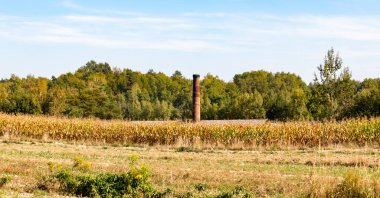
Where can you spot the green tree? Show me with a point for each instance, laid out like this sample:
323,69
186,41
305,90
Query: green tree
284,94
213,97
162,110
4,98
367,100
93,67
133,110
333,91
249,106
23,103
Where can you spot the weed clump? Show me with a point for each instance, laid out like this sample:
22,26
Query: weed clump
78,180
238,191
188,149
81,164
200,187
355,185
4,180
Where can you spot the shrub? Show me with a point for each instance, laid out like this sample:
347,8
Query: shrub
105,185
5,180
80,181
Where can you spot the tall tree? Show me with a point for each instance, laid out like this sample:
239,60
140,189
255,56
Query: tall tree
333,89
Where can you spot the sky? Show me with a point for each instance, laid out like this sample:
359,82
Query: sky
221,37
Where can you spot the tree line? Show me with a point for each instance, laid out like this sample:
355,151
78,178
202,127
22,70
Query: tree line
97,90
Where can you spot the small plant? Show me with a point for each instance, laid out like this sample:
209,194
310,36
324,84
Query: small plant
184,195
200,187
187,149
81,164
46,183
54,166
238,191
4,180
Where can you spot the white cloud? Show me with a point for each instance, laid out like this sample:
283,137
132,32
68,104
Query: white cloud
189,31
92,19
70,4
132,20
99,35
340,27
203,14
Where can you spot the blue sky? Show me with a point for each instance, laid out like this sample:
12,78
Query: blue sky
222,37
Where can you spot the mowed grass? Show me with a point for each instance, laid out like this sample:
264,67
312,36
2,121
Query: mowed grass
265,172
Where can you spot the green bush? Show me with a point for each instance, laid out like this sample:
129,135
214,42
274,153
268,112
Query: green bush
80,181
105,185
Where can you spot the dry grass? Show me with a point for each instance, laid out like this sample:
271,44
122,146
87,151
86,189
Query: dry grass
286,173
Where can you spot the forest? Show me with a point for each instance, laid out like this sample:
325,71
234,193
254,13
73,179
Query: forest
98,90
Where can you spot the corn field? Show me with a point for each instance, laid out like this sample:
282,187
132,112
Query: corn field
358,132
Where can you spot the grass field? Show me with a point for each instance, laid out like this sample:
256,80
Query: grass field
295,159
287,173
